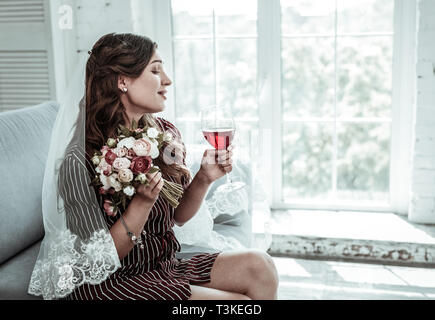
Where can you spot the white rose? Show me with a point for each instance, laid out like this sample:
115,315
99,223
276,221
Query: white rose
167,137
154,153
142,178
121,163
95,160
105,181
113,181
127,142
111,142
152,133
125,175
120,152
129,190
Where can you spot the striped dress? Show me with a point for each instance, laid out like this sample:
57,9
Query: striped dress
151,273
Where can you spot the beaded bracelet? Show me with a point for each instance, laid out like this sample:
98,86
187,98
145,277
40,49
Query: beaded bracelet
132,236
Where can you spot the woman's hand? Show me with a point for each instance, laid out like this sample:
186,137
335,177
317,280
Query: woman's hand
215,164
149,193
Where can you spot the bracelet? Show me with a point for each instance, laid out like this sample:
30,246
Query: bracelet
131,235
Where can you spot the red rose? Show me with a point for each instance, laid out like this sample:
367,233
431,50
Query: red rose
141,164
110,157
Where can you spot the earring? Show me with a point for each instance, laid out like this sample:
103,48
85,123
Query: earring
124,89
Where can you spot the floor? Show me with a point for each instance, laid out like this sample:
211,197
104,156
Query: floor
302,279
311,278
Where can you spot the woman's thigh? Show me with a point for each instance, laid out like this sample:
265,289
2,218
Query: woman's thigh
232,270
204,293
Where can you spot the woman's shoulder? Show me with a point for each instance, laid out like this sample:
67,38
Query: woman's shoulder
166,125
74,159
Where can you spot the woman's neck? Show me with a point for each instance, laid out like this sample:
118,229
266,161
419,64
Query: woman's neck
128,120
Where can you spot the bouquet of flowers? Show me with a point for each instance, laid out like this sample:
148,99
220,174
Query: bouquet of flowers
123,162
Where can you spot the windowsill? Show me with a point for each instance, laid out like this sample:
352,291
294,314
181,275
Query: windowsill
355,236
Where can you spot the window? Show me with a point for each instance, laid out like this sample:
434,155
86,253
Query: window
215,48
319,76
336,100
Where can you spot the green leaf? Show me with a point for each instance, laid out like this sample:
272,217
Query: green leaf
153,170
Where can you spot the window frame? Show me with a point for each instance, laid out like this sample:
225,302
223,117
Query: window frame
269,97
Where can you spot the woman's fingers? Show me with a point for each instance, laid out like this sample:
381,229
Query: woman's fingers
223,156
158,187
153,179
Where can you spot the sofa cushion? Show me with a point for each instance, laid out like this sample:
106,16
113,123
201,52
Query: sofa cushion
15,275
24,141
241,172
243,235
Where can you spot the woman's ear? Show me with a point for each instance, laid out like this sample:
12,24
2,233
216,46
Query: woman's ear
123,82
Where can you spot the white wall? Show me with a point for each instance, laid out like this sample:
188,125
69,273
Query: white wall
98,17
422,206
64,43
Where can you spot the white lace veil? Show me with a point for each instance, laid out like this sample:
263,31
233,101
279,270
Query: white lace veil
77,247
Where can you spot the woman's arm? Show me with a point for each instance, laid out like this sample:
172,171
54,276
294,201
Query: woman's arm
136,215
192,198
214,164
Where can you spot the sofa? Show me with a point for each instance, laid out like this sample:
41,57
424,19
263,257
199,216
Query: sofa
24,141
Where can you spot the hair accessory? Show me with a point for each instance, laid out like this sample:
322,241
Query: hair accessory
90,52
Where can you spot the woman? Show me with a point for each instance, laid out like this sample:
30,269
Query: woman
125,81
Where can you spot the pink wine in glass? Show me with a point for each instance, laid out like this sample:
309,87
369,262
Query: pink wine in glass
219,138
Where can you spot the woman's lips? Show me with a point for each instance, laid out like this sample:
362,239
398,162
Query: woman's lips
162,93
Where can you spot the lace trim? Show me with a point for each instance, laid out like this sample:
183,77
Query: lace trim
228,202
70,263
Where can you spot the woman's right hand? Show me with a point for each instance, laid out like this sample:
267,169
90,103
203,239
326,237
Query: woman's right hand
149,193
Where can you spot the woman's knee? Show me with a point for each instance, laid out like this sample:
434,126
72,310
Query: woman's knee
262,268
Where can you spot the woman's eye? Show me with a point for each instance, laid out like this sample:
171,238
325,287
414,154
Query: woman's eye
155,71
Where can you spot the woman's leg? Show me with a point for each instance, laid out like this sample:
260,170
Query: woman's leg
204,293
249,272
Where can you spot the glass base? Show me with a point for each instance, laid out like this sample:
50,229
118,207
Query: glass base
230,187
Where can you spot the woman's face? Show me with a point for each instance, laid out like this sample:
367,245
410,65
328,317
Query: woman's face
147,93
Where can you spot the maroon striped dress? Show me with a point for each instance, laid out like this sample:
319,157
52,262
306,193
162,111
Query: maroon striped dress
151,273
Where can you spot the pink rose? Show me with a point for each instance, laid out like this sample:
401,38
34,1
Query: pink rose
141,164
110,156
121,163
142,147
104,150
108,208
121,152
102,190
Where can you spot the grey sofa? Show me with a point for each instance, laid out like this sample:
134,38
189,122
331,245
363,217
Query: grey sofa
24,142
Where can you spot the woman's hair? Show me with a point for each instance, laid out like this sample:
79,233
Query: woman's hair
113,55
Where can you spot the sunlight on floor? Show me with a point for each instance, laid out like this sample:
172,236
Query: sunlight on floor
330,280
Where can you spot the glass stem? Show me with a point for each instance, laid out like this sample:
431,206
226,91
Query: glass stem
229,177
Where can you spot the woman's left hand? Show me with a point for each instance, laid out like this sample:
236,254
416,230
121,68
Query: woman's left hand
215,164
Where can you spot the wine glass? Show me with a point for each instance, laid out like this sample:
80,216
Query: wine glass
218,127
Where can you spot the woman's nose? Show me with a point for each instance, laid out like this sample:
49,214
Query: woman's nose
166,80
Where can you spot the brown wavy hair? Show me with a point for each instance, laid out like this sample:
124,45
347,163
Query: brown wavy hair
113,55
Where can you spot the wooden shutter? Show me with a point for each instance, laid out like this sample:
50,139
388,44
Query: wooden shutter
25,54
